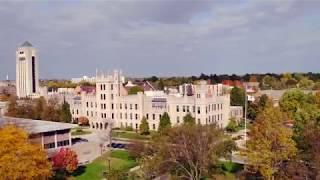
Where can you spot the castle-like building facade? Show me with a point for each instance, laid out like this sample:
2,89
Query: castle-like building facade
109,103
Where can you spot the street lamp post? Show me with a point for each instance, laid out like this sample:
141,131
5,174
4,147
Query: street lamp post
245,115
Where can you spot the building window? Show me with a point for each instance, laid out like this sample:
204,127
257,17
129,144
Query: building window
111,87
159,116
178,119
193,108
77,111
120,106
183,108
101,87
112,116
188,109
136,106
87,113
49,145
91,104
63,143
147,116
112,106
136,116
198,121
153,126
153,116
198,110
33,75
177,108
136,126
130,115
130,106
112,96
87,104
125,106
125,116
120,115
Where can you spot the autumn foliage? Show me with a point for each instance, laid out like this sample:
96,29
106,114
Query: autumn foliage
19,159
65,160
83,121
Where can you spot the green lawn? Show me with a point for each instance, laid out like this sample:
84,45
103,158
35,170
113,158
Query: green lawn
120,160
79,131
130,135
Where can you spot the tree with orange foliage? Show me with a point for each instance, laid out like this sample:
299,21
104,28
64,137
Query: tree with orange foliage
65,160
83,121
19,159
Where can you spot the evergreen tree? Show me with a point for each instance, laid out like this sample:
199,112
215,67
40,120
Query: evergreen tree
39,107
144,127
65,114
188,119
164,122
237,97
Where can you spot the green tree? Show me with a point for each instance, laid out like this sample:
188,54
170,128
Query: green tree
305,83
188,119
161,84
39,107
232,125
237,97
144,127
65,114
164,122
270,143
135,90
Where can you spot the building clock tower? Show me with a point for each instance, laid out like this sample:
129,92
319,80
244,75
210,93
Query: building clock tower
27,74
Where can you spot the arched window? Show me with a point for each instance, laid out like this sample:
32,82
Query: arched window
100,125
92,125
106,126
97,126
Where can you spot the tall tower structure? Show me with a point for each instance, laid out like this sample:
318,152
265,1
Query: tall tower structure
27,74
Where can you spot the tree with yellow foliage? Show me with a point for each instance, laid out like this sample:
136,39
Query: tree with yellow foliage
19,159
270,143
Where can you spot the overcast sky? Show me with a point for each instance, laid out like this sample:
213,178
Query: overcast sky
168,37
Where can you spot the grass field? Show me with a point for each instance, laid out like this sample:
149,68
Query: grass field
79,131
119,160
130,135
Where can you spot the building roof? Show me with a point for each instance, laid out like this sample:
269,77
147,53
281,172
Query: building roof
26,44
35,126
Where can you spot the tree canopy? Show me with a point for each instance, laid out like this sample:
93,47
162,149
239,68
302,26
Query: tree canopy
237,97
188,119
188,152
144,127
270,142
19,159
164,123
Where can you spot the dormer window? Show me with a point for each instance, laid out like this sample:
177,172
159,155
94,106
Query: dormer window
21,52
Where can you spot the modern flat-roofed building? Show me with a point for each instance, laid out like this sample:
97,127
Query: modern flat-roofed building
110,102
50,135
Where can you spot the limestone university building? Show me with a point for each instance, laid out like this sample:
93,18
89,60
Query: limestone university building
27,74
109,102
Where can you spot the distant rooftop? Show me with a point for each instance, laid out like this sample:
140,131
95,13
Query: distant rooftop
26,44
35,126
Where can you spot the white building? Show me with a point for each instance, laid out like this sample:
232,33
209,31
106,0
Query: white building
27,71
83,79
110,102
